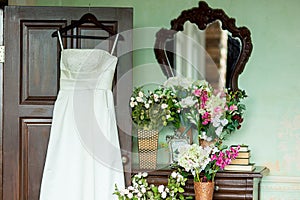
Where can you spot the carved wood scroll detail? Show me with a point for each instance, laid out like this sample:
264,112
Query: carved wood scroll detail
202,16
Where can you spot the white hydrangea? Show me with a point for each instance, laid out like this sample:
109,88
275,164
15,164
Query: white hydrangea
156,97
130,188
164,106
132,104
177,81
143,190
174,174
161,188
139,99
193,157
145,174
141,94
219,124
139,194
124,192
130,195
189,101
163,195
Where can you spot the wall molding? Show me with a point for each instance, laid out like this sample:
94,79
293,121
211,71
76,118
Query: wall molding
275,184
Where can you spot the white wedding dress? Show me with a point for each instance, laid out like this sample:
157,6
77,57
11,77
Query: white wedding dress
83,159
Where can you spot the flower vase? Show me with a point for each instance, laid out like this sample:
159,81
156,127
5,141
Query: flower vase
205,143
147,147
186,131
204,190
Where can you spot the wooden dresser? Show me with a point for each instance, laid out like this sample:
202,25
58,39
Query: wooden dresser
228,185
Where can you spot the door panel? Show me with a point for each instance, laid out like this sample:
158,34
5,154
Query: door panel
34,140
31,83
36,62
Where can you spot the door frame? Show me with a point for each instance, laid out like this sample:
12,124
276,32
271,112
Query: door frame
1,103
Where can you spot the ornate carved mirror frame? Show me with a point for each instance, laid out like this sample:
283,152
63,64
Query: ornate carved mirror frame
202,16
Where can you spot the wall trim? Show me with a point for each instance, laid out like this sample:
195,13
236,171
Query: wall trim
280,183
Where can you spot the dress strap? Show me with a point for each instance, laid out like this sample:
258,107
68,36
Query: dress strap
115,43
60,40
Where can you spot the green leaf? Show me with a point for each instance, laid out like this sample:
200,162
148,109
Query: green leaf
181,190
242,106
154,189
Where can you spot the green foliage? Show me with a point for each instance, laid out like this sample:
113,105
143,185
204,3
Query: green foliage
152,110
142,191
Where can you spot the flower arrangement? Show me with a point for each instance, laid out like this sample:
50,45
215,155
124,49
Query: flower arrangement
214,113
210,159
151,110
141,190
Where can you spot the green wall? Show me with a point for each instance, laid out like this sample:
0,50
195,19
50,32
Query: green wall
271,126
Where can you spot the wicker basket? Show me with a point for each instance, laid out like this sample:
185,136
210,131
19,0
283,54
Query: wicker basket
147,144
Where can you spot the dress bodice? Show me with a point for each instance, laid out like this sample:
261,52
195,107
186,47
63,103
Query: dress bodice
87,69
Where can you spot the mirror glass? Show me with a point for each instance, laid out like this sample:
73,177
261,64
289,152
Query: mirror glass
208,54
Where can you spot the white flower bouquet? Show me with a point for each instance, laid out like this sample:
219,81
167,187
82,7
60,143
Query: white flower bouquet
152,110
141,190
209,160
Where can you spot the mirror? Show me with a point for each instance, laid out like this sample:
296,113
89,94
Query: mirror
204,43
203,54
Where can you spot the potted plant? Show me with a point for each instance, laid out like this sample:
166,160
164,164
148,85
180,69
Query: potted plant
151,111
207,160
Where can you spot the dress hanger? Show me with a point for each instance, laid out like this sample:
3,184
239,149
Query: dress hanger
86,18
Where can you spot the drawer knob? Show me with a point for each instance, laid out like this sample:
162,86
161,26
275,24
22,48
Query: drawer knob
217,188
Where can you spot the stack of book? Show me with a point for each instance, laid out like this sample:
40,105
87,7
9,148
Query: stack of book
242,162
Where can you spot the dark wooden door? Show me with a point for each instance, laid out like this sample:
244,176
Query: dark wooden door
31,83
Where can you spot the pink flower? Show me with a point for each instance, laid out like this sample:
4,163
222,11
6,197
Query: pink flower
203,98
205,122
218,109
203,104
197,92
224,158
234,152
233,108
214,157
206,118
